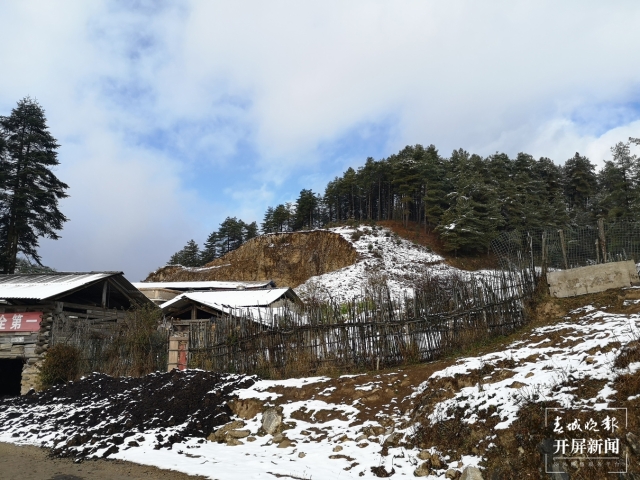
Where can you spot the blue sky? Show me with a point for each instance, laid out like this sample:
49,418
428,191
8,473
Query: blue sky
173,115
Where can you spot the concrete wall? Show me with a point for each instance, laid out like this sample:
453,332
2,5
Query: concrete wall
592,279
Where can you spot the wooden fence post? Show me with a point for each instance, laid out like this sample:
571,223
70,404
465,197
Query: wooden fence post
603,239
564,249
544,254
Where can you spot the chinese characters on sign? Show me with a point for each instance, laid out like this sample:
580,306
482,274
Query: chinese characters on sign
20,322
594,438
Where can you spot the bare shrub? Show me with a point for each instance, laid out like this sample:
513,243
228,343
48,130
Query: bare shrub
138,346
61,364
356,235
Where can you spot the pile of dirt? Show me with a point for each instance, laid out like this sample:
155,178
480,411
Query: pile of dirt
289,259
100,414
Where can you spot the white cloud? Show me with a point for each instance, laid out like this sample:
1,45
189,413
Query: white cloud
145,96
455,73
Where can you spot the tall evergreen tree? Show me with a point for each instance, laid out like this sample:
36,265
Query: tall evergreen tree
305,209
268,223
474,217
189,256
210,249
580,185
250,231
230,234
434,177
553,207
29,190
619,184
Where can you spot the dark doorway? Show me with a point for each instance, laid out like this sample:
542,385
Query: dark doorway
10,376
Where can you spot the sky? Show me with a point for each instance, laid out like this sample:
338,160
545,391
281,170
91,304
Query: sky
173,115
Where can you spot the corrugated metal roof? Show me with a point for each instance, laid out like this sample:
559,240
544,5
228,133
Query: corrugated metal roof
207,285
44,286
233,298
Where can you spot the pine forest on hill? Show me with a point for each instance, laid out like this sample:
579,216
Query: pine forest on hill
465,199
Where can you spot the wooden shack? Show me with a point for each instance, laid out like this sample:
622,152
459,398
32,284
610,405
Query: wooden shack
210,305
193,314
30,305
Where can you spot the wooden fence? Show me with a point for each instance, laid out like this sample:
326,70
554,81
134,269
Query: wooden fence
443,314
117,343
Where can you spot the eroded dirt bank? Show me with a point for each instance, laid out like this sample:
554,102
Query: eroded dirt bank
287,258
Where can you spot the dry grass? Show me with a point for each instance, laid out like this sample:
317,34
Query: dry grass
519,451
630,353
417,235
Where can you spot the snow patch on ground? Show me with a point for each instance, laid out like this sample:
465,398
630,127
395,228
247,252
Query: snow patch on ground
540,370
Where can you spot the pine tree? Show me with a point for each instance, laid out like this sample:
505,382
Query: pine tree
618,184
407,178
268,223
230,234
553,207
189,256
305,209
29,190
580,186
474,217
434,176
282,218
250,231
210,249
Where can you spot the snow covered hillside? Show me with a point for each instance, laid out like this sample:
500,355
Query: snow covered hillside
399,422
383,258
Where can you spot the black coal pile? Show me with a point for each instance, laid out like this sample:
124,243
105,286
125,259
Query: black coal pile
100,414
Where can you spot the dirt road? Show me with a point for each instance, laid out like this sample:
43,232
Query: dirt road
33,463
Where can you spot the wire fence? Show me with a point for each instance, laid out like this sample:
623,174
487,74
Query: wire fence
445,313
569,247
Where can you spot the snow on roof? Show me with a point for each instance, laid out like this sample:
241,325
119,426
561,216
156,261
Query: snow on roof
234,298
209,285
44,286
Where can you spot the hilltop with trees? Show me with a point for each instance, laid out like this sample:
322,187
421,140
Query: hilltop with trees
465,199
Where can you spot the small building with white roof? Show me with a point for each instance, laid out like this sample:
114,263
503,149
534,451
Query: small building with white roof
161,292
209,305
194,315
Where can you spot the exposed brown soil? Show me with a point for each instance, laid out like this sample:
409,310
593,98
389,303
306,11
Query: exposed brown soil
376,400
34,463
289,259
